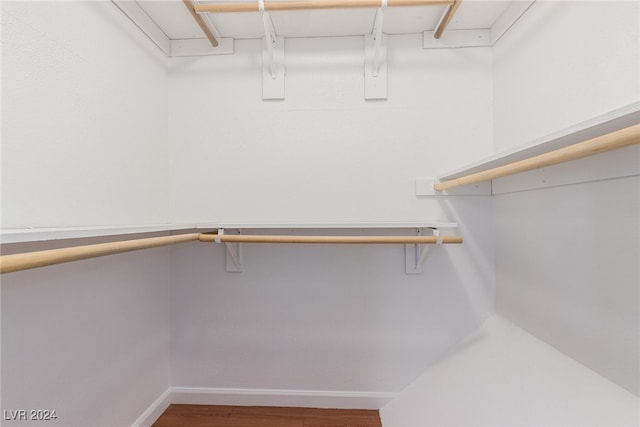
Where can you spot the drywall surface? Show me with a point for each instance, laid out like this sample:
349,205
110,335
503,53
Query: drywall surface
84,113
562,63
330,323
324,154
567,256
567,271
88,339
324,324
501,375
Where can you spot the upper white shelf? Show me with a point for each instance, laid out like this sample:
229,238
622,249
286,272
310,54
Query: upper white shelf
22,235
597,126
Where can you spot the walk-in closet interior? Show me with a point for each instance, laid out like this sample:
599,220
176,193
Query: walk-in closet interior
429,208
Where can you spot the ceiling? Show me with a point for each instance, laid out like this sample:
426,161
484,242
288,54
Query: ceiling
173,18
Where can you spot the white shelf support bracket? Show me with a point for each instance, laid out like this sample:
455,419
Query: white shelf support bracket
272,59
233,259
375,67
269,37
377,35
416,255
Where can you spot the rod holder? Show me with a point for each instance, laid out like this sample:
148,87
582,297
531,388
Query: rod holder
417,254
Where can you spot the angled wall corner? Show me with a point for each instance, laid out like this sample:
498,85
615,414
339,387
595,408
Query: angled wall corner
502,375
578,293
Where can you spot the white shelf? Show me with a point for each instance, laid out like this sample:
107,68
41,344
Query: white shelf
19,235
335,225
597,126
23,235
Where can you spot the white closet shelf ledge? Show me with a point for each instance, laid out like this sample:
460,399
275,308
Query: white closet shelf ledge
330,225
39,234
407,240
275,6
24,235
612,121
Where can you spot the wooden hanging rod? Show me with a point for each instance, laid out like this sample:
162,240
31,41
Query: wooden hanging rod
28,260
273,6
446,18
241,238
203,25
611,141
25,261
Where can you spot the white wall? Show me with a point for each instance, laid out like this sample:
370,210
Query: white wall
562,63
566,257
89,339
503,376
578,290
95,153
324,318
323,154
84,112
303,319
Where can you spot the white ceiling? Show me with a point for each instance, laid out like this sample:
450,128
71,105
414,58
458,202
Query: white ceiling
177,23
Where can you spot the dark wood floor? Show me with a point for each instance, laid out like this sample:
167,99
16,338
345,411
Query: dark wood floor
258,416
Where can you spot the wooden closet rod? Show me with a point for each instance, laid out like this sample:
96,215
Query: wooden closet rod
271,6
203,25
242,238
446,18
611,141
28,260
25,261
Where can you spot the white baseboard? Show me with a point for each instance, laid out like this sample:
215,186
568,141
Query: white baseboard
262,397
154,410
267,397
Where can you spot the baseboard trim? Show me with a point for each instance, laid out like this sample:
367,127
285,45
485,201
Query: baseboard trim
262,397
268,397
153,412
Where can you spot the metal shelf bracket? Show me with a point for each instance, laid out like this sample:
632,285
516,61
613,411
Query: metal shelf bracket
416,255
272,59
233,258
375,72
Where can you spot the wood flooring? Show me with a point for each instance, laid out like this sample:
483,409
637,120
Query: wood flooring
260,416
